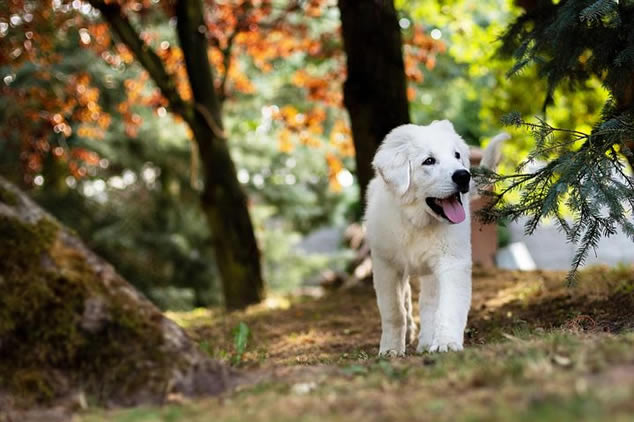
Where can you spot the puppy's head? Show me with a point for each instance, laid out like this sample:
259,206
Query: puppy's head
427,165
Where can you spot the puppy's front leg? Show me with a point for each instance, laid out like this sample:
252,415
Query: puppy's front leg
390,296
428,303
454,301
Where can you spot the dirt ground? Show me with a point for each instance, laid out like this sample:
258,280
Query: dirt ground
535,350
345,324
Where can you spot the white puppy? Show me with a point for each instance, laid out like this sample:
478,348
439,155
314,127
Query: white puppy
418,226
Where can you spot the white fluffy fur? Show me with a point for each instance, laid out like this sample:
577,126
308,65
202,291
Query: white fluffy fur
409,241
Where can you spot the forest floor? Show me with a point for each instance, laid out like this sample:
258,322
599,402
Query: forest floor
535,350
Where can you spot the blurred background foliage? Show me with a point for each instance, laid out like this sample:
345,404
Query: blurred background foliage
124,176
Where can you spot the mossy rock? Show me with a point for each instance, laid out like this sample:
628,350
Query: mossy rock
69,323
7,196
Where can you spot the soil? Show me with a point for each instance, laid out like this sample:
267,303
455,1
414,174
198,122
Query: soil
535,350
345,324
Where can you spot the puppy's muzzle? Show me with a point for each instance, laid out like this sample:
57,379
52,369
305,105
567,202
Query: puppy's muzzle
462,178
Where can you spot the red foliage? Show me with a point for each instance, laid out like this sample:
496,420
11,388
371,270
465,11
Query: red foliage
67,105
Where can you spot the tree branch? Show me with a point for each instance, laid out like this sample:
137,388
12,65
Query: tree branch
241,26
192,36
151,62
226,62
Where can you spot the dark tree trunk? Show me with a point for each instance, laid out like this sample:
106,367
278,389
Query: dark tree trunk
625,102
375,92
223,201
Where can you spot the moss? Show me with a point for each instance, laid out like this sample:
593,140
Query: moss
45,286
21,241
8,197
24,294
21,247
33,380
129,343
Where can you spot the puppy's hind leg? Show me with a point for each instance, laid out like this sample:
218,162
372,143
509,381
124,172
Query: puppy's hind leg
410,334
390,296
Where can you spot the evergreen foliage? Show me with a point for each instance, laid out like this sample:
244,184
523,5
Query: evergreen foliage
571,42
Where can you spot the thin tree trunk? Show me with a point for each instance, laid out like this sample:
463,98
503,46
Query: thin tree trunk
223,201
375,92
625,101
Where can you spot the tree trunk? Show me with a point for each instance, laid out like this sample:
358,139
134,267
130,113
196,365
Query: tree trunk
375,91
223,201
69,323
624,103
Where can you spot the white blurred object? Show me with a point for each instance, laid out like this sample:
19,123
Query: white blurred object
515,256
551,250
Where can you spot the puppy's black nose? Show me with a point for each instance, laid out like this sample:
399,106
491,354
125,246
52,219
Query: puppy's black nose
462,178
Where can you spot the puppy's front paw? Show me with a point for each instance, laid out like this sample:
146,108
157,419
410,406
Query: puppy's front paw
446,338
445,347
425,339
391,353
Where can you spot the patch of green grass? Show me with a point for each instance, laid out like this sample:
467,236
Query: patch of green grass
556,408
355,370
526,359
205,347
355,355
265,387
392,370
240,341
559,376
241,335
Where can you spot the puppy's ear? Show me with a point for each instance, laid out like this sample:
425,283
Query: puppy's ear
392,161
443,124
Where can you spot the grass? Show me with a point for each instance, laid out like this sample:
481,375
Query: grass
560,376
536,350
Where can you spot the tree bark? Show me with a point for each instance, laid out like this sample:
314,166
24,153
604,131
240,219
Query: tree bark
223,200
375,91
70,324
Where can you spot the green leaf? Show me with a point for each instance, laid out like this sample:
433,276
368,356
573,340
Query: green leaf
355,370
240,340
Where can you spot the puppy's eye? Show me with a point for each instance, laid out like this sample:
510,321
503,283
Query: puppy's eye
429,161
458,155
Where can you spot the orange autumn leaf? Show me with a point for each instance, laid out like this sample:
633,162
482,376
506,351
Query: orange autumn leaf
310,141
284,141
411,93
334,167
341,138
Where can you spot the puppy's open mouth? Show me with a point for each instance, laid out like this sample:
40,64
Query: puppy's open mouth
449,208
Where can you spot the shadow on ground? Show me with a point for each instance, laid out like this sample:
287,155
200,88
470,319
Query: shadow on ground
345,324
536,350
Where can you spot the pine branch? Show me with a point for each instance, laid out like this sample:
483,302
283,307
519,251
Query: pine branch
589,179
589,241
597,11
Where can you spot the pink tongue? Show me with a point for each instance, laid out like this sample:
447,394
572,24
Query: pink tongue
453,209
